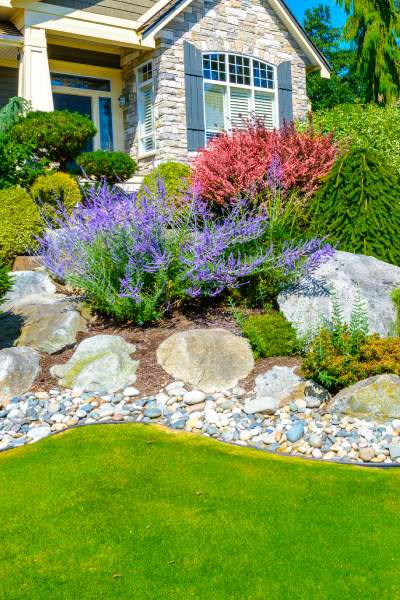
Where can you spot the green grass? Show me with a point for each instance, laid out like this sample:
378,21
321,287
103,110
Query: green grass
75,509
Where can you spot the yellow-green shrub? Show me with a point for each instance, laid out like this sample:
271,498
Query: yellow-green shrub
20,220
47,190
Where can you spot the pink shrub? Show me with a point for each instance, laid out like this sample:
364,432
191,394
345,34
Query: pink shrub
236,162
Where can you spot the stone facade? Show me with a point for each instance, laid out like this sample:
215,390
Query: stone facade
247,27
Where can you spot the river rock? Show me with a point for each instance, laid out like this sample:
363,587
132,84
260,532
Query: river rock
266,406
315,441
366,454
99,363
295,432
45,323
278,383
19,369
377,397
30,282
209,359
303,302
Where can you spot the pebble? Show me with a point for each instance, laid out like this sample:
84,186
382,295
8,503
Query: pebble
131,391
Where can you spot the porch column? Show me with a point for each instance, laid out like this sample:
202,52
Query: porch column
34,83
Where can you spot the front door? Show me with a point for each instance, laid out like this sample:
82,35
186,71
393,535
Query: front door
79,104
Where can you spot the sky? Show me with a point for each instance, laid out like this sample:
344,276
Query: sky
299,6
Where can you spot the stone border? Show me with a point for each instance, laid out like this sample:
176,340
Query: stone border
299,455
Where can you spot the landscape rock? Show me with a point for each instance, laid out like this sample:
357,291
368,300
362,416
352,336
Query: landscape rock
366,454
315,441
30,282
99,363
303,302
295,432
19,369
377,397
278,383
265,405
194,397
209,359
45,323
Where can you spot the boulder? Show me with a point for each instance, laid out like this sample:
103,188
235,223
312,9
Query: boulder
48,323
19,369
377,397
278,383
266,406
99,363
30,282
209,359
303,302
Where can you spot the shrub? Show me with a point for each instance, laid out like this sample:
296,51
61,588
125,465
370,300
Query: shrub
18,164
20,221
174,175
359,206
6,281
269,335
114,166
235,163
59,136
50,189
15,109
372,126
134,254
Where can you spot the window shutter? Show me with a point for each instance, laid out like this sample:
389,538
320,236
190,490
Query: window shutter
239,105
285,100
147,111
194,94
264,108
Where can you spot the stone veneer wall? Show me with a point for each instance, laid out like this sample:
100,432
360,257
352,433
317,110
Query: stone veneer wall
244,26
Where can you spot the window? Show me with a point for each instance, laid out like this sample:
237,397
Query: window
235,85
105,118
147,137
82,83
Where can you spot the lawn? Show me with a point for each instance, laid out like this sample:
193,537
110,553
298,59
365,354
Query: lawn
80,507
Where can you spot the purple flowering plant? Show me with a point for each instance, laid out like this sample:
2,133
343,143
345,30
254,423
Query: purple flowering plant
136,254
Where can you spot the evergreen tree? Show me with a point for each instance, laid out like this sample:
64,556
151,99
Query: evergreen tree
358,206
374,26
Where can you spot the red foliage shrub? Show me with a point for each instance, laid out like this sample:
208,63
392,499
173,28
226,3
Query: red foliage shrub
236,162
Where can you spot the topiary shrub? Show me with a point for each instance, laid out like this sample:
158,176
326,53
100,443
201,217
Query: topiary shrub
114,166
20,221
174,175
269,335
51,188
6,281
58,136
359,206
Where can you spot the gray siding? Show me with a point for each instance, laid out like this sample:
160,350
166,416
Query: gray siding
83,57
126,9
8,84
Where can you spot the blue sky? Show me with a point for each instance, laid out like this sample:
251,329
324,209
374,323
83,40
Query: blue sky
299,6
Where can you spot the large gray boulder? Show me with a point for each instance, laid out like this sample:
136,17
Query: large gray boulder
376,398
284,386
48,323
19,369
30,282
210,359
303,302
99,363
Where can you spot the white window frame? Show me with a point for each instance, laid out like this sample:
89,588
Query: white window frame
139,86
228,85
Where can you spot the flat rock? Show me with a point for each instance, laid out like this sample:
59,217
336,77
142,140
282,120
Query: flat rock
48,323
265,406
303,302
99,363
209,359
377,397
19,369
30,282
278,383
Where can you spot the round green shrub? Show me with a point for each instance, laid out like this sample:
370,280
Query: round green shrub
51,188
269,335
20,221
174,175
6,281
358,206
114,166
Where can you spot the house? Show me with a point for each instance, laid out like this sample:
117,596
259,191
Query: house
158,78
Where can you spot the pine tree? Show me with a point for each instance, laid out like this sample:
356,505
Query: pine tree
374,26
358,206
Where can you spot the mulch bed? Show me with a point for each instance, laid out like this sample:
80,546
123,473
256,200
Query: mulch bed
150,376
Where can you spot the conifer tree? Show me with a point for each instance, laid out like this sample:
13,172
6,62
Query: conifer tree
374,26
358,206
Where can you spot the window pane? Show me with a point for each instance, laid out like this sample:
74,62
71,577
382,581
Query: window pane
239,105
239,69
214,97
105,118
145,73
83,83
214,67
264,108
263,75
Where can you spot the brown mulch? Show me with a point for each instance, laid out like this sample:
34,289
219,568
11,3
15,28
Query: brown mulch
150,376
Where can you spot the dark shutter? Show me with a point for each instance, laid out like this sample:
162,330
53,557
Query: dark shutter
285,99
194,93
